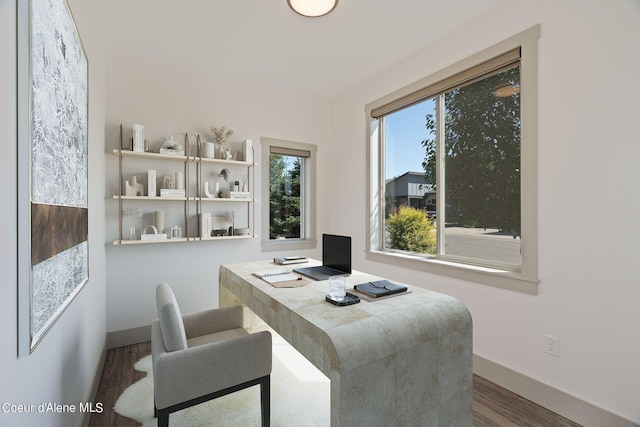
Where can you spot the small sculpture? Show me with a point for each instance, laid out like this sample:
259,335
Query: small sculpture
135,189
215,193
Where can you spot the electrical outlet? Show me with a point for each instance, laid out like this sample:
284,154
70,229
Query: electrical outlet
552,345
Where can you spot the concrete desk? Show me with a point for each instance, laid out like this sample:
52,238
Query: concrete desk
400,361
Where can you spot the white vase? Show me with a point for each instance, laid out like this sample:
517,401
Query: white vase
208,150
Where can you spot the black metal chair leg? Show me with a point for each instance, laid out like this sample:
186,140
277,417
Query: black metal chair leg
265,400
163,418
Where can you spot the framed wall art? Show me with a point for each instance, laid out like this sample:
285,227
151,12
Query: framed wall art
53,259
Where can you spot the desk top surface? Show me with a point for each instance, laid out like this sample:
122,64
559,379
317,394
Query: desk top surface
378,327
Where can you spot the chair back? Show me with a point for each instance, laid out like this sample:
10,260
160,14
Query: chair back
171,325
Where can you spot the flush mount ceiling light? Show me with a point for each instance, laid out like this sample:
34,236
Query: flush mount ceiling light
312,8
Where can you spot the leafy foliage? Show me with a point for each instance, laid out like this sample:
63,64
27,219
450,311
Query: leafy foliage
284,197
410,229
482,154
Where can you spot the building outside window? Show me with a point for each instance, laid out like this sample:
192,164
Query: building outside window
455,169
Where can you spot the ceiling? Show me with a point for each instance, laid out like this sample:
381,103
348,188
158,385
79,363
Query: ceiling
266,42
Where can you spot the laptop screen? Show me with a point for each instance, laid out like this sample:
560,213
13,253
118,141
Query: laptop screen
336,252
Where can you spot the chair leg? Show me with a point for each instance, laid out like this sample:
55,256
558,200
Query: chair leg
265,400
163,418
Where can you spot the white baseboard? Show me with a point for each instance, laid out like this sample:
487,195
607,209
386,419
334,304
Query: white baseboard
571,407
128,336
95,382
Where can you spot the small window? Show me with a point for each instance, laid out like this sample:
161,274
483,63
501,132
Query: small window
454,157
288,184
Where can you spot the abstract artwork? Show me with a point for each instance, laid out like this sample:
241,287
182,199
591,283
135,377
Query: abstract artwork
53,142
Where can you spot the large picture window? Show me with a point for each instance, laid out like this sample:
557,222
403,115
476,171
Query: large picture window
453,160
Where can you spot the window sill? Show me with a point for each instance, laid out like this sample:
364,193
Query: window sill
288,245
487,276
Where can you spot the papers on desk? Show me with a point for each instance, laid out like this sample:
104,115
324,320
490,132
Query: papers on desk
281,278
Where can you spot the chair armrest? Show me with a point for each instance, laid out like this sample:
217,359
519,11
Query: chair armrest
212,321
186,374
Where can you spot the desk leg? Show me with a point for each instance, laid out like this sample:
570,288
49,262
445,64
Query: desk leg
430,384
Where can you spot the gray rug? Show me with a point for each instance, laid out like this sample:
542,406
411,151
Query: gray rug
299,397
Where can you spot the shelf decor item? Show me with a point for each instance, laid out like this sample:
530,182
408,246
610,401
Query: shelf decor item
221,136
152,236
151,182
171,147
208,193
176,232
158,221
136,213
208,150
247,148
138,138
134,189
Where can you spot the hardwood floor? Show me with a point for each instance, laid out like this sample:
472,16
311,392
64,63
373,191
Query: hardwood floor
493,406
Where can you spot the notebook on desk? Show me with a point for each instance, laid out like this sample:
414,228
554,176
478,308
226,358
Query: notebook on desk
336,258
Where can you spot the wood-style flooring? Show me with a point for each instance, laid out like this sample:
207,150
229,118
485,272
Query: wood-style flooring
492,405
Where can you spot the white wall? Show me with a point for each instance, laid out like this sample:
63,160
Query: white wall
171,101
62,367
588,249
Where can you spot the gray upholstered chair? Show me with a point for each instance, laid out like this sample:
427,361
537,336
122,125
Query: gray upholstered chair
202,356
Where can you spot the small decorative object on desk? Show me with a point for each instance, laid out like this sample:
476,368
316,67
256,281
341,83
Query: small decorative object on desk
286,260
380,288
337,288
281,278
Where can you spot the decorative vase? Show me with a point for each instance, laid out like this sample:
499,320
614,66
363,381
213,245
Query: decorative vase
209,194
208,150
158,221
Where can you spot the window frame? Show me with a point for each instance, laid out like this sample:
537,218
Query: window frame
525,279
308,196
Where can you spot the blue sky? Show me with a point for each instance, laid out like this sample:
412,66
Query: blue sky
405,130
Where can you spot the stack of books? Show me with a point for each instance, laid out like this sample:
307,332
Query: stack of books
286,260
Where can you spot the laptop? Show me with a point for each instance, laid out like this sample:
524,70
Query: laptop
336,258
